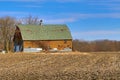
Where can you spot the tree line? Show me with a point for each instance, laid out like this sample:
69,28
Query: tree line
96,46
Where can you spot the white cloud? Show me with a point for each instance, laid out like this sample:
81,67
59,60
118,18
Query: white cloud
12,13
68,0
96,33
32,6
107,4
72,17
42,0
62,18
58,21
93,35
22,0
102,1
103,15
92,15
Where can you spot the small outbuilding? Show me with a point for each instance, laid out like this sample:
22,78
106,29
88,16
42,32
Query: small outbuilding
42,37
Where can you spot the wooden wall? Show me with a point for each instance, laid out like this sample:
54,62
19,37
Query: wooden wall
59,44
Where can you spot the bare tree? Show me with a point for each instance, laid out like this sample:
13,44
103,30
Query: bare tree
29,20
7,31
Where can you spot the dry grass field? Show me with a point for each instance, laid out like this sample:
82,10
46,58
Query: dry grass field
60,66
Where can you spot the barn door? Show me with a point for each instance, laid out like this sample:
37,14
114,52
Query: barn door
18,41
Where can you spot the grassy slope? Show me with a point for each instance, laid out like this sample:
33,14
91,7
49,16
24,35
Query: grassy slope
72,66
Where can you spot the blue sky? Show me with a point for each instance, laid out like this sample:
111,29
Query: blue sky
87,19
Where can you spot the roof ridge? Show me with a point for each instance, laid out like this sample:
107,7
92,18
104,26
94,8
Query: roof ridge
54,24
43,24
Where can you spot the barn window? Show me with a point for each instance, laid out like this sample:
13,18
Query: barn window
58,45
68,46
65,41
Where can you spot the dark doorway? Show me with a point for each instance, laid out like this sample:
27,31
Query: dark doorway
18,41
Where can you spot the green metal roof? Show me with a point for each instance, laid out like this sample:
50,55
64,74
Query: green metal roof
45,32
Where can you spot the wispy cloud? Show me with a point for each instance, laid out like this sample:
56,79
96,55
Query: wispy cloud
43,0
22,0
72,17
97,33
102,1
12,13
63,18
108,4
31,6
93,35
102,15
67,0
58,21
19,0
92,15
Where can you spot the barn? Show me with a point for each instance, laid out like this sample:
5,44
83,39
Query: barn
45,37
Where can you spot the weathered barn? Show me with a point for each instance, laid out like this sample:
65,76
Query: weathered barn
46,37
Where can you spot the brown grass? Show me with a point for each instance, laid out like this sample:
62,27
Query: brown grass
60,66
